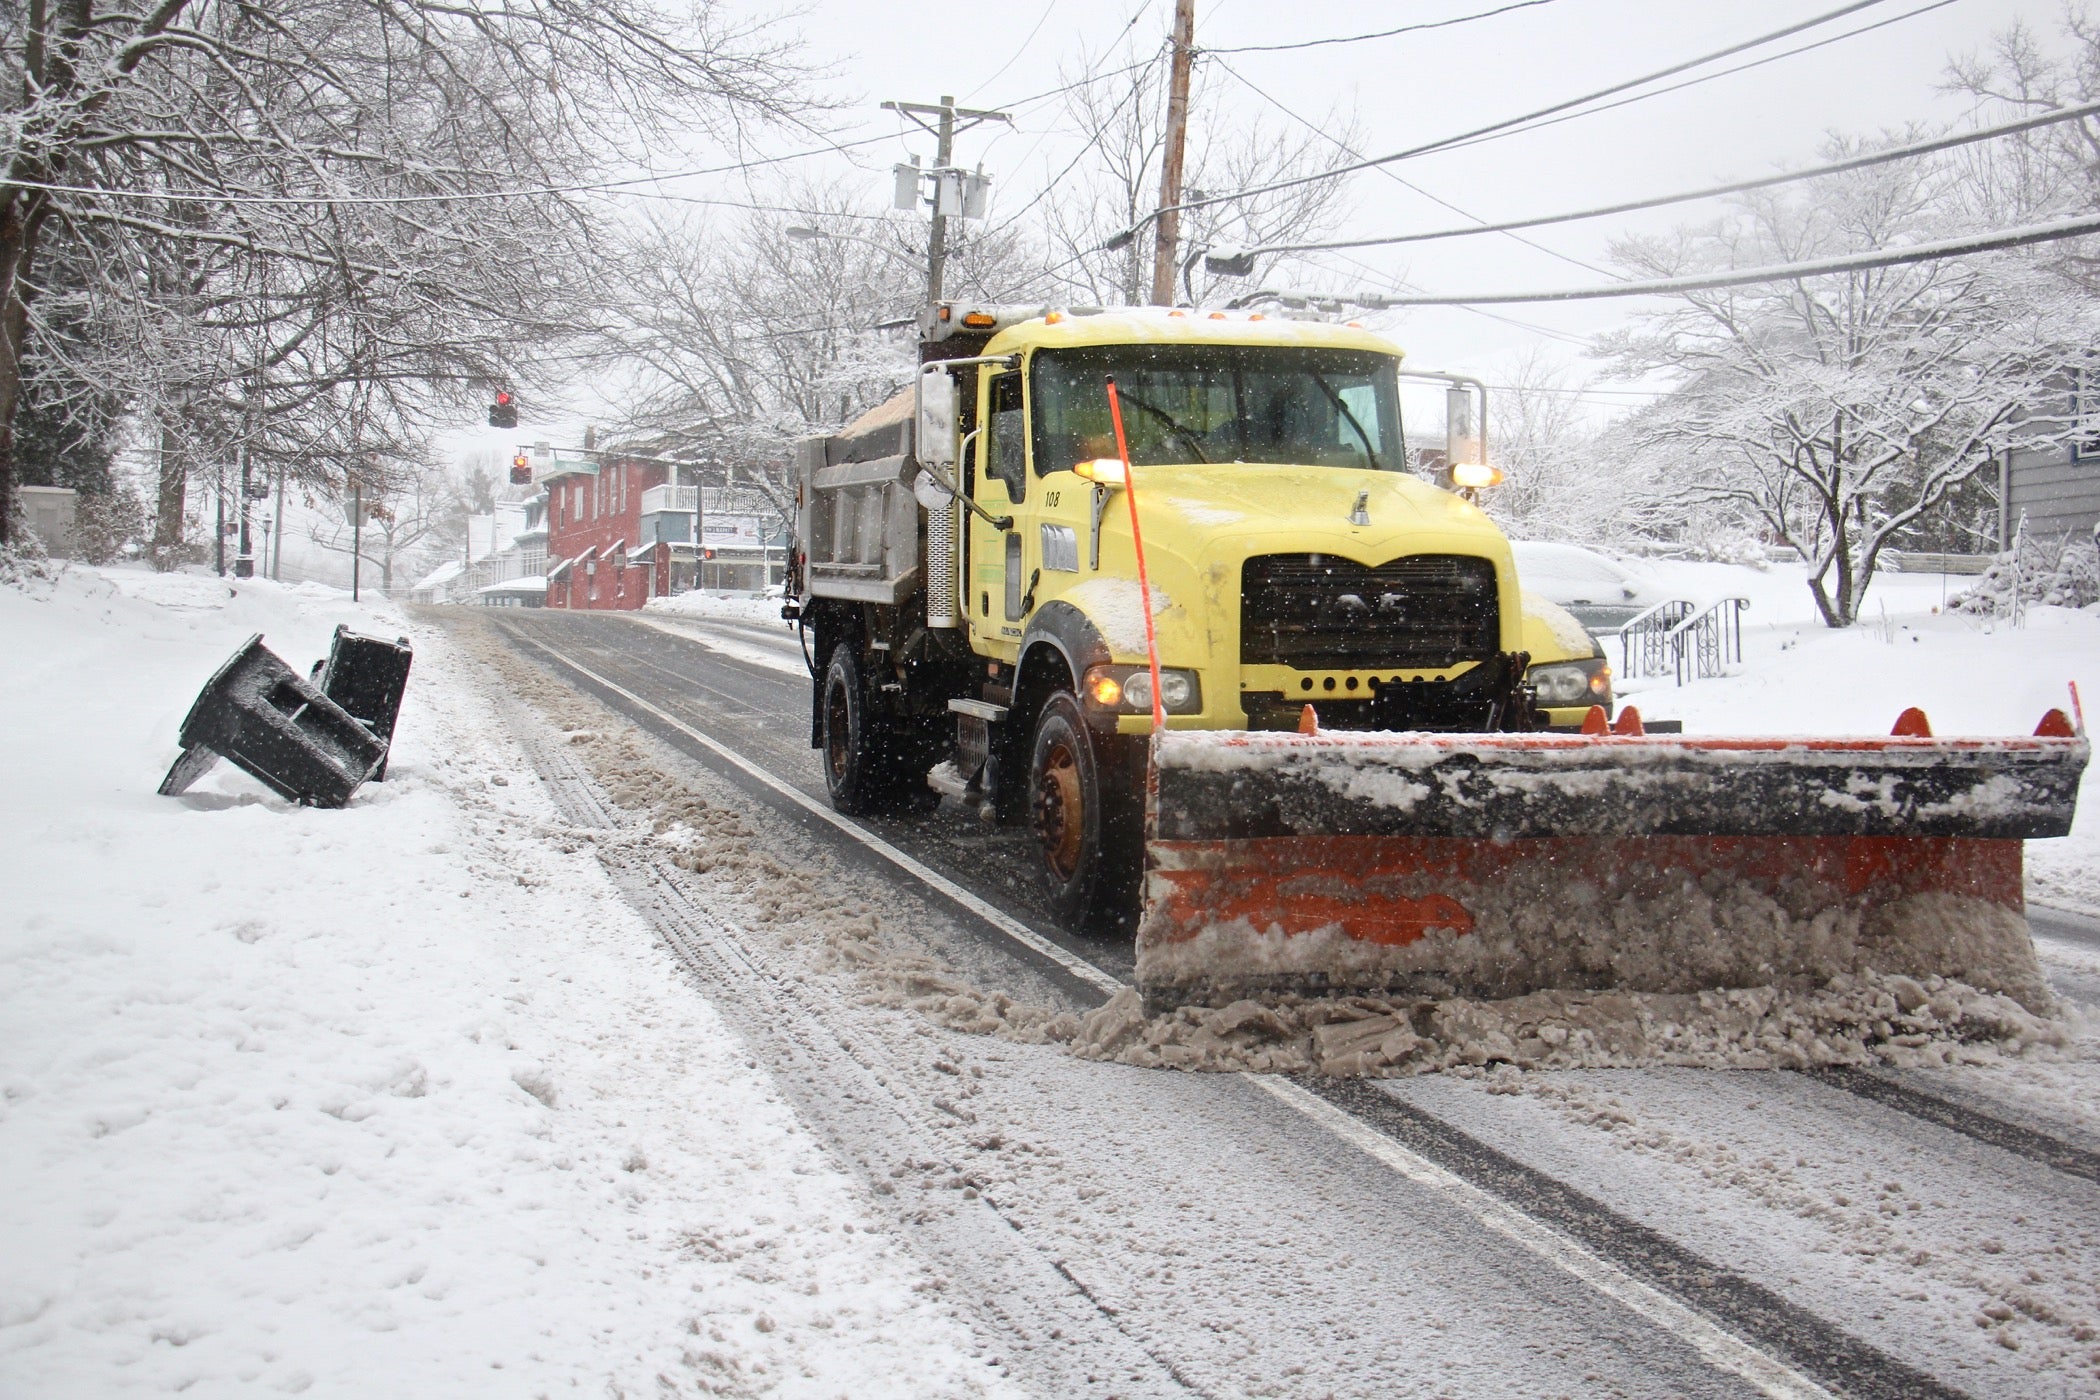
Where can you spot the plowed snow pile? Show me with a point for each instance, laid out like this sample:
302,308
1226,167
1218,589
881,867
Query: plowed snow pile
1545,931
1851,1020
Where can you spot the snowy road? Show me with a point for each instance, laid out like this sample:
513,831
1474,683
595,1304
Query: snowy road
1117,1231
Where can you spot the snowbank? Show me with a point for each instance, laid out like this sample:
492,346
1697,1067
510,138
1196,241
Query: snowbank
1970,675
727,607
396,1100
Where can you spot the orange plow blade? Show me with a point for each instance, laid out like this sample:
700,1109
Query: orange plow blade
1498,865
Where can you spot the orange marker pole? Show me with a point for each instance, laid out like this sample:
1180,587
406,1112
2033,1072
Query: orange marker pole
1115,414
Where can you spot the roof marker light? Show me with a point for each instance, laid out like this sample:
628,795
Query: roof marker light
1475,474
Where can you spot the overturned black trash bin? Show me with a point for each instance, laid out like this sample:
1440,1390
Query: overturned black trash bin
366,675
277,726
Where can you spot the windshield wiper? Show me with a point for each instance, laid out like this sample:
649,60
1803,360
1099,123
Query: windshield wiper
1370,453
1174,425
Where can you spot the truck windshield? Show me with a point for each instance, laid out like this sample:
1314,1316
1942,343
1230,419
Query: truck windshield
1219,403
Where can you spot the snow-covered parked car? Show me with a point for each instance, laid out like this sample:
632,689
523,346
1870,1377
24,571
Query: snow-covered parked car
1603,594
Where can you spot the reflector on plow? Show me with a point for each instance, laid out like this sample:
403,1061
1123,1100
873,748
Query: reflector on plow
1493,865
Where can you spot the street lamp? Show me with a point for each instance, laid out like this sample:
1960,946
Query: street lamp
810,235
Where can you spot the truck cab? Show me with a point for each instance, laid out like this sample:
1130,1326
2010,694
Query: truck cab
1293,560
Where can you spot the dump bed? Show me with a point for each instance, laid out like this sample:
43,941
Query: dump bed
858,521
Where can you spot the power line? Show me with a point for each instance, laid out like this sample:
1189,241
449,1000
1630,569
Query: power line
1390,174
1128,25
626,185
1937,251
997,73
1710,77
1381,34
1509,122
1092,142
1859,162
453,197
1583,393
1547,331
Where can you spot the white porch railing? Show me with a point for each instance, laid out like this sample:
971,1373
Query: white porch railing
662,498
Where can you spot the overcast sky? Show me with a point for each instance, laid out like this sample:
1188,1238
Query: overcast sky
1407,89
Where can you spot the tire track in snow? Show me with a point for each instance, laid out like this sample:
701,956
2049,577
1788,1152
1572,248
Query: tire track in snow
856,1106
2037,1147
1800,1343
1738,1326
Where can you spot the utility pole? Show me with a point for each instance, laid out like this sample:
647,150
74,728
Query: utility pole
937,245
1167,242
947,182
357,537
244,560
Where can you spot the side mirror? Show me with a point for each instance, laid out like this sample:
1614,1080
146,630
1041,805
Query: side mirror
933,435
1464,440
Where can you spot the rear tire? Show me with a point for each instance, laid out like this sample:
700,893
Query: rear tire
1082,821
865,770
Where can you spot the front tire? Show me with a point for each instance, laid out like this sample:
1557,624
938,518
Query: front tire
864,771
1081,820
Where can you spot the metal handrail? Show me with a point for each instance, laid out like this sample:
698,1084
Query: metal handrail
1683,638
1650,632
1710,639
1640,618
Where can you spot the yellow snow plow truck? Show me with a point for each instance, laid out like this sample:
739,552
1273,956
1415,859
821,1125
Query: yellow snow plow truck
1356,787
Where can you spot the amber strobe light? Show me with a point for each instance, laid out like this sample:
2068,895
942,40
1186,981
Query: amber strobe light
1475,474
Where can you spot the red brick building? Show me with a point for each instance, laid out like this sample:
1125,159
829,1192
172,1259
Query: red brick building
615,538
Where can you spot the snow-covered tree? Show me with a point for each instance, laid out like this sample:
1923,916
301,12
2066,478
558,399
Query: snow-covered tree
276,199
744,341
741,338
1836,411
1563,479
414,516
2051,171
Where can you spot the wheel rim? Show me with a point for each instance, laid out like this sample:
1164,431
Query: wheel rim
1060,810
838,736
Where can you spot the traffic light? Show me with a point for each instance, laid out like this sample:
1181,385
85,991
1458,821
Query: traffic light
503,413
520,468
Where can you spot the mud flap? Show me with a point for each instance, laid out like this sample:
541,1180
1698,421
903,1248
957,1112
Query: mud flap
1496,865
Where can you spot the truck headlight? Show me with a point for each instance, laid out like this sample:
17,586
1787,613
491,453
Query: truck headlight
1128,689
1565,684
